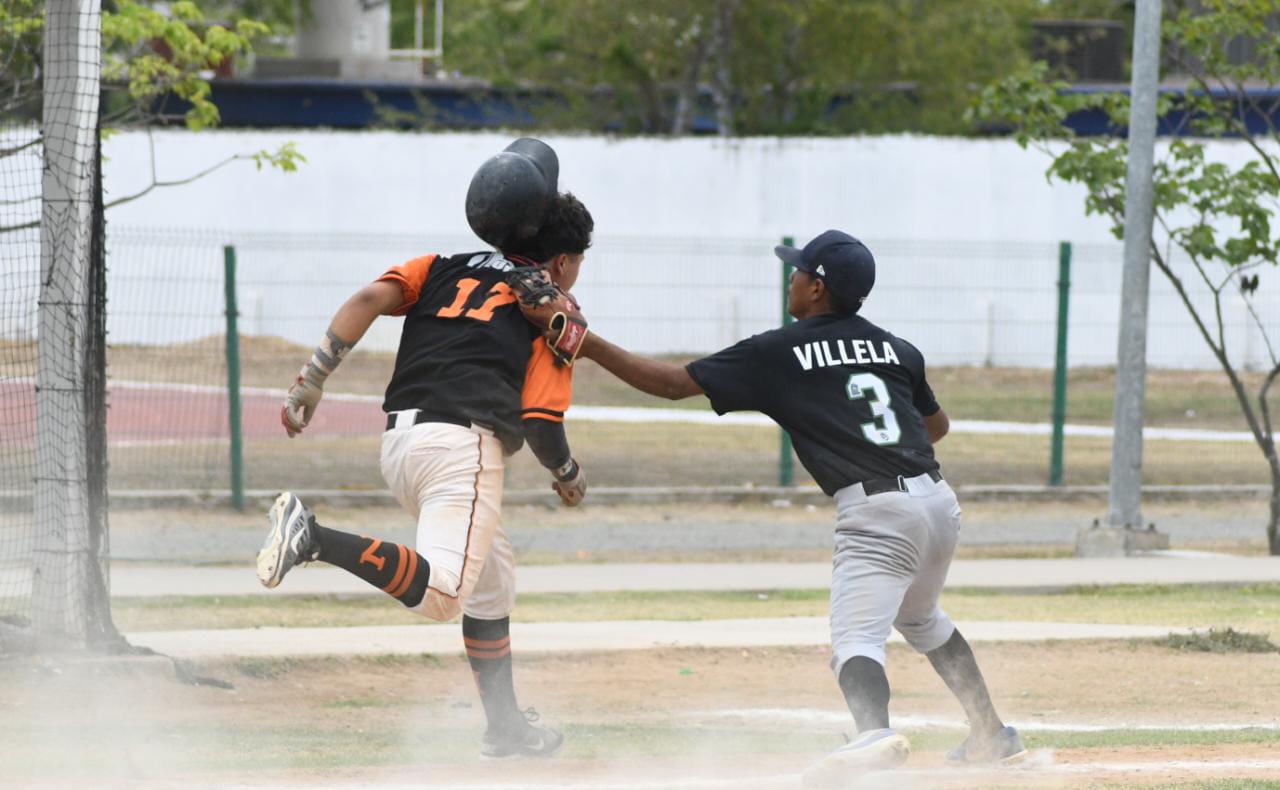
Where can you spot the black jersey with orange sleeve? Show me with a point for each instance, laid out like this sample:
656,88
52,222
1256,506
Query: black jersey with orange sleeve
466,351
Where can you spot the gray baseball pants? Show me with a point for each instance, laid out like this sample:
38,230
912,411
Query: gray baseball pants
892,553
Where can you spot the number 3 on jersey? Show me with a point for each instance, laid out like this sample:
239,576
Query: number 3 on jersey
883,429
500,295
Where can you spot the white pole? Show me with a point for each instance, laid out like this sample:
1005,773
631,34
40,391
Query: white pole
1131,362
62,574
440,72
418,17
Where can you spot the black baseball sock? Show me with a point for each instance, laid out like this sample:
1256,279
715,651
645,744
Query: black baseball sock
955,664
488,644
866,690
397,570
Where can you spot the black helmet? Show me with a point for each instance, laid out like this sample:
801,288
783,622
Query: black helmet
511,193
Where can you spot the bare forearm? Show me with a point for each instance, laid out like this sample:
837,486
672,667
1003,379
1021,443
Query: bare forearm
662,379
349,324
937,424
359,312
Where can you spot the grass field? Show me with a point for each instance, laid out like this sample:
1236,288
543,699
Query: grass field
1253,608
616,454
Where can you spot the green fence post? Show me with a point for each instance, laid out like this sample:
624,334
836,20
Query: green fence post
1060,365
786,465
233,378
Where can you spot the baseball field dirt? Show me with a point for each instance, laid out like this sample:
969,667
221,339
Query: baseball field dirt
1092,714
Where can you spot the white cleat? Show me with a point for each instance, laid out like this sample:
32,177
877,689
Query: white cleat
289,542
873,750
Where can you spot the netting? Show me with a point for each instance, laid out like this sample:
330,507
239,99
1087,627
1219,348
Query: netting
20,175
52,353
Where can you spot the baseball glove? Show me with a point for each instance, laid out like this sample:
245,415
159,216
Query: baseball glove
533,286
546,305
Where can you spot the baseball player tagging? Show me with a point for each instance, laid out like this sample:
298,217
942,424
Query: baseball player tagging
863,419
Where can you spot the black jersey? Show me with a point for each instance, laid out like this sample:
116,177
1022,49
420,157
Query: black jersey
851,395
466,351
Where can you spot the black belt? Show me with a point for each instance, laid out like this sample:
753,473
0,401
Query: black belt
884,485
429,416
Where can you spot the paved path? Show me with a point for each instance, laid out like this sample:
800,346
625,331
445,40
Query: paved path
559,637
1032,574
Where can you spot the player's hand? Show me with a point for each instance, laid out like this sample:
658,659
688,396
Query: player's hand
571,485
300,404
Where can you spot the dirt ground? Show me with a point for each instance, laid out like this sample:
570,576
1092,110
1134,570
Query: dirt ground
1110,713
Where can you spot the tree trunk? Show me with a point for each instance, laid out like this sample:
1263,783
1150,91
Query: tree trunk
1273,533
1259,422
687,101
722,82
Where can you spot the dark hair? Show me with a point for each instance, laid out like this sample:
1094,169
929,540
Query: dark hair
567,229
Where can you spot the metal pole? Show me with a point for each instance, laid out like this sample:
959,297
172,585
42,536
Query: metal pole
418,13
786,464
1131,360
1060,365
440,34
233,379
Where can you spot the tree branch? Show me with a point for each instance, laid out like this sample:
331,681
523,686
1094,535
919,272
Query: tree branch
1241,129
1262,329
17,149
1237,385
1270,447
178,182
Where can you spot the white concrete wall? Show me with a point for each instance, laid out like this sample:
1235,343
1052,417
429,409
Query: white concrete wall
965,233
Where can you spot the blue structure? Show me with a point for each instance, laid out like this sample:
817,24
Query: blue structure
359,104
1258,109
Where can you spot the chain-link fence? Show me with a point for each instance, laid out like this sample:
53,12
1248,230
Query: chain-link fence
963,304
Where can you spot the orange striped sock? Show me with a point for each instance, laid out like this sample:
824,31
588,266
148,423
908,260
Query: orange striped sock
488,644
397,570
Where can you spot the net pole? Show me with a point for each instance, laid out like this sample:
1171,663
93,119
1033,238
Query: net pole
63,577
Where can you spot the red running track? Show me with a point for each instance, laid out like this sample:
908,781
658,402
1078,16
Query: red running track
141,413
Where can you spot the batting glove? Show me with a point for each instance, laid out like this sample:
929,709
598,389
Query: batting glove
300,404
570,483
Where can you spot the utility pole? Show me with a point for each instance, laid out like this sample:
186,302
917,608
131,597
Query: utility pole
1125,501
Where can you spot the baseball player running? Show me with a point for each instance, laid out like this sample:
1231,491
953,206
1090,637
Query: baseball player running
863,419
473,380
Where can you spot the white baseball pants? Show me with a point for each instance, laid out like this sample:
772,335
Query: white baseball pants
449,478
892,554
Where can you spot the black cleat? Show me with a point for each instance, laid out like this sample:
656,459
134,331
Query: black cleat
1004,747
527,739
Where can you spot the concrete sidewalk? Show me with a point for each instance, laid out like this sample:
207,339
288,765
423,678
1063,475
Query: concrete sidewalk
561,637
153,580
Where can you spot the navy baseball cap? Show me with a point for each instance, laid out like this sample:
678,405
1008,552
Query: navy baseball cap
842,262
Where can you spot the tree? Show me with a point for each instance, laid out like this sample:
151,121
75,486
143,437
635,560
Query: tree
149,55
1217,216
755,66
